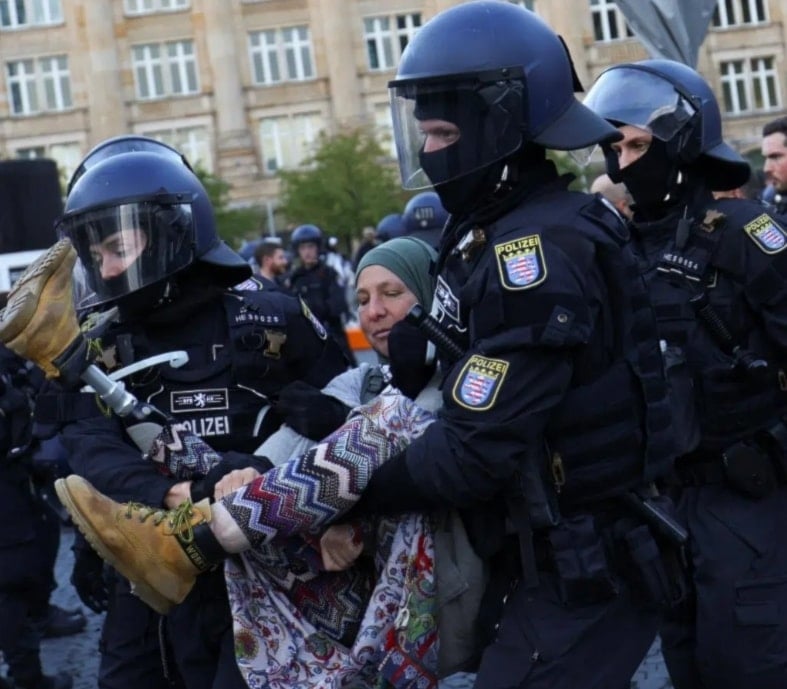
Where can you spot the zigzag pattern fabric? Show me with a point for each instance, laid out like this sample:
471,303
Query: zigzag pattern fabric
308,492
182,453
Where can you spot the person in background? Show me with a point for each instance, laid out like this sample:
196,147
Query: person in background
716,271
389,227
317,284
616,194
29,533
424,217
367,242
269,256
774,151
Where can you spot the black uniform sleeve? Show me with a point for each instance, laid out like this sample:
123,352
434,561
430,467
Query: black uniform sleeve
100,451
499,397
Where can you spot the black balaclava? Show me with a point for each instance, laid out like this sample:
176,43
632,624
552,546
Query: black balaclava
468,111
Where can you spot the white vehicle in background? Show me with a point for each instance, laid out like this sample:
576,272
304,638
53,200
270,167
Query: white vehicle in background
13,265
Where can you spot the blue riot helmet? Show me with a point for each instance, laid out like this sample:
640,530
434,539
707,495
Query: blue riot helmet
389,227
502,76
139,217
306,233
674,103
424,217
126,143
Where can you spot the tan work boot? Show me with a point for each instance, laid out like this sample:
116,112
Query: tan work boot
39,321
160,552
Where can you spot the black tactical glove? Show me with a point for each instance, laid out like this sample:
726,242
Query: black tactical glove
307,411
407,354
206,486
88,576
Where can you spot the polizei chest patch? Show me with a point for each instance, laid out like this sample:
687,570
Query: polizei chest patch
521,263
479,382
766,233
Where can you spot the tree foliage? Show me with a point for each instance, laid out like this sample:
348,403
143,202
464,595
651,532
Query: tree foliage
232,224
345,186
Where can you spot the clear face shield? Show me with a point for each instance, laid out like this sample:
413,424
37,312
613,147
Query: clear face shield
627,95
126,247
450,126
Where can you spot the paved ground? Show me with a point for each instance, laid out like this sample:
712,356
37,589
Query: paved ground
79,654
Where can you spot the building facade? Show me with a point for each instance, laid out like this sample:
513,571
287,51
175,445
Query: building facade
243,87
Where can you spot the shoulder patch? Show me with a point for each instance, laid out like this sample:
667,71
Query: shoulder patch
249,285
521,263
479,382
319,328
767,234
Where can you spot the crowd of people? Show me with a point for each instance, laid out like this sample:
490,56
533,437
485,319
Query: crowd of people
573,441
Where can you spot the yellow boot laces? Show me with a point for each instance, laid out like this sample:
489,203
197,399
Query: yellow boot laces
178,519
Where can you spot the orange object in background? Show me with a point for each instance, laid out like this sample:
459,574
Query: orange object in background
357,339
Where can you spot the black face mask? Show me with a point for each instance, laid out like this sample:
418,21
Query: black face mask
649,179
464,193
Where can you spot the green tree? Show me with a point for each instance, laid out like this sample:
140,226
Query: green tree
232,224
345,186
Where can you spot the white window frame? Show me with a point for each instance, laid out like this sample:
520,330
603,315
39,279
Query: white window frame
280,136
281,54
608,12
191,137
42,85
384,36
741,78
35,13
731,13
165,69
134,8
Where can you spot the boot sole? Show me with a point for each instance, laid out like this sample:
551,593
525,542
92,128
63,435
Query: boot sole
140,588
21,307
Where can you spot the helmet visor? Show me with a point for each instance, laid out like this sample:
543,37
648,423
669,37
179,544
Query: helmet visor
627,95
447,129
126,247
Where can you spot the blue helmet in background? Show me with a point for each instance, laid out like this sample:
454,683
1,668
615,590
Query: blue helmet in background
151,208
424,212
677,106
390,227
306,233
499,73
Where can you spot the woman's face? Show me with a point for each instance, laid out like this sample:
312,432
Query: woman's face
114,254
383,300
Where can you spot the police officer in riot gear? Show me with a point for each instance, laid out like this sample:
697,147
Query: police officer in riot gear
538,287
716,274
314,281
161,280
424,217
389,227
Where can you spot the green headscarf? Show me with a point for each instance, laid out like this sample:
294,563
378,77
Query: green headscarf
409,258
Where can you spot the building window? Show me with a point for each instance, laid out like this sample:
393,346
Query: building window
67,155
384,128
281,55
22,13
386,37
609,24
287,141
194,142
39,85
150,6
750,85
739,12
527,4
166,69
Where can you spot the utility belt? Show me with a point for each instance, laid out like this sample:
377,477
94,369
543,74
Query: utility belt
754,467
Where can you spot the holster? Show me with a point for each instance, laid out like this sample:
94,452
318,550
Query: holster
580,561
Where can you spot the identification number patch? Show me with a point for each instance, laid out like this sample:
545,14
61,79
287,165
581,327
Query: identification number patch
765,232
479,382
521,263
